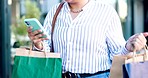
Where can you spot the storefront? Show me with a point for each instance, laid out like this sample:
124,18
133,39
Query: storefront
134,16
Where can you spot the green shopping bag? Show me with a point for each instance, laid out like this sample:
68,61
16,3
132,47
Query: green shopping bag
35,64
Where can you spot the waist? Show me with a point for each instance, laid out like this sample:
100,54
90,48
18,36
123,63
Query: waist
75,75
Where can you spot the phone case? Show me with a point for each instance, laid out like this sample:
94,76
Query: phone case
36,25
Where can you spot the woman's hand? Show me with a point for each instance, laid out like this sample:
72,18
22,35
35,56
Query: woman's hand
136,42
36,37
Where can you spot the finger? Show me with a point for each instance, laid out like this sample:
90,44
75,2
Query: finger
36,32
31,35
141,39
135,46
32,38
145,34
139,36
41,36
38,36
29,29
134,37
38,40
139,42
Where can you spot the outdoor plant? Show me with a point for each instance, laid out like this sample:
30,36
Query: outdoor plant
20,29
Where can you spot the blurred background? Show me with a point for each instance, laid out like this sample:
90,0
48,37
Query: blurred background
133,15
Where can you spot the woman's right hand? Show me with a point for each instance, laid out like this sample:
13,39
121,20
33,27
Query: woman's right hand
36,37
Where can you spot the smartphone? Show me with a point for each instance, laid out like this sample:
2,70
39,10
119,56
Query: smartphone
36,26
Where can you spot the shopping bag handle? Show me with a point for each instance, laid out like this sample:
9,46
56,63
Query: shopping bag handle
30,50
144,55
145,52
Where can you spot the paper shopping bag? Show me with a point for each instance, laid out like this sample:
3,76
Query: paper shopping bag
138,68
135,70
36,64
116,68
119,60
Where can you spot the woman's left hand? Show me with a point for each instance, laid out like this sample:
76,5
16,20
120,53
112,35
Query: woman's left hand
136,42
